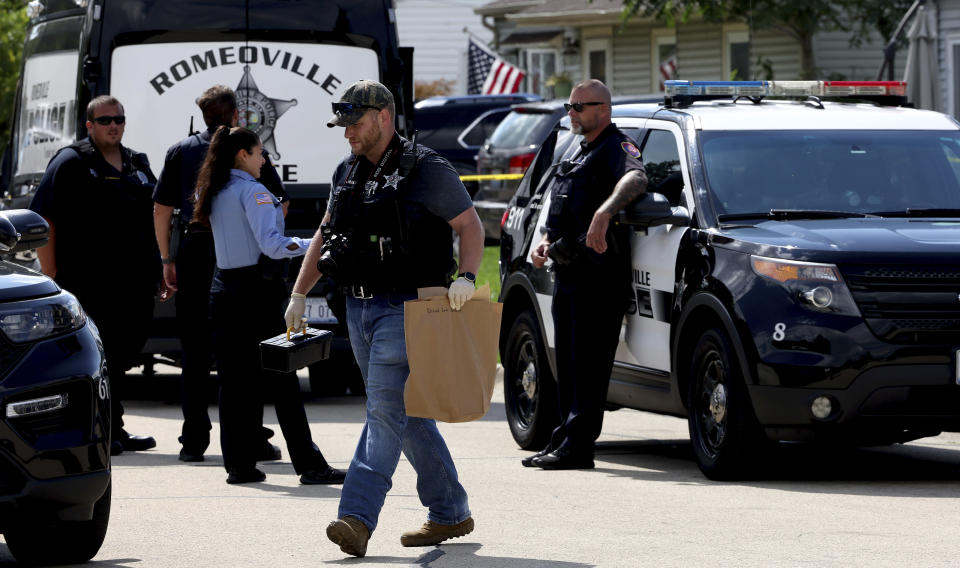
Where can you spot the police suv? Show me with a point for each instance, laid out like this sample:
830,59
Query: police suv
796,270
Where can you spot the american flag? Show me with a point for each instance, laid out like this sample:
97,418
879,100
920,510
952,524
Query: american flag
488,74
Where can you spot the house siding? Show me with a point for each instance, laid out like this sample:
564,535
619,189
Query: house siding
836,59
949,30
435,31
699,52
631,61
780,50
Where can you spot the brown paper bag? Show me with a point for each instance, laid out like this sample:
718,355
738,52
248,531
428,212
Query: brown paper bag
452,355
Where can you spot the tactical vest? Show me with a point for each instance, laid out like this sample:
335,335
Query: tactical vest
394,243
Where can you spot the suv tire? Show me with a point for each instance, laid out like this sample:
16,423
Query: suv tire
61,542
723,431
529,389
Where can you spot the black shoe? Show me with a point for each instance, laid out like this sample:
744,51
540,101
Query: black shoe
252,475
528,461
116,448
186,456
137,443
328,476
564,459
269,452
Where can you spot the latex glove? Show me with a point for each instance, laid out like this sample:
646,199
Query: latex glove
460,291
294,314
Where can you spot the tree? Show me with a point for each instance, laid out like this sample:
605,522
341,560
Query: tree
13,25
799,19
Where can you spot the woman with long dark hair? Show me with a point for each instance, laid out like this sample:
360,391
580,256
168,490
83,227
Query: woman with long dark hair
246,300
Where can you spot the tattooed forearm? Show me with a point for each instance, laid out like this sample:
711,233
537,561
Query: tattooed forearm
630,186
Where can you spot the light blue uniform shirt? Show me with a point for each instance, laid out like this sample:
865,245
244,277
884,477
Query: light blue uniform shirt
246,220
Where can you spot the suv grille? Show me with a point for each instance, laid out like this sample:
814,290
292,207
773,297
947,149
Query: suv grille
908,304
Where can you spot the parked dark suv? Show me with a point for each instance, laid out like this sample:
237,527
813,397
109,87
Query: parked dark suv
455,127
510,150
794,271
54,412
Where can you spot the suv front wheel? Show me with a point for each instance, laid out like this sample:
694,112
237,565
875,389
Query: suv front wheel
724,433
61,542
529,389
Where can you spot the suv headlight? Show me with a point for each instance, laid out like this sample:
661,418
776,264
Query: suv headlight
30,320
816,286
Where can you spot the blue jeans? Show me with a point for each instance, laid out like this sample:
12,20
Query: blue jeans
377,338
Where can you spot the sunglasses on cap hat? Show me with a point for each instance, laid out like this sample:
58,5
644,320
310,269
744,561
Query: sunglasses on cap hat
579,106
344,109
105,120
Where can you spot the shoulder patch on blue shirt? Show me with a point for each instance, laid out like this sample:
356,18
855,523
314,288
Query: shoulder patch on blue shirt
263,198
631,149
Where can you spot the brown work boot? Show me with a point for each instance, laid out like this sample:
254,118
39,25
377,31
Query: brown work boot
350,534
431,533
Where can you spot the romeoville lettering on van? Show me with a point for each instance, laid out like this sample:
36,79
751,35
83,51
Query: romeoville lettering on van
244,55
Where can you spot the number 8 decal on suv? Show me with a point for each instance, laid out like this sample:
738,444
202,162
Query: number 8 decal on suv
794,270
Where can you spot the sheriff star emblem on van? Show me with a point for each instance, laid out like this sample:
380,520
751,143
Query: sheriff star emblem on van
258,112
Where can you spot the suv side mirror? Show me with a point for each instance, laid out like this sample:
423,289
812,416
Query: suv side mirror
31,229
652,209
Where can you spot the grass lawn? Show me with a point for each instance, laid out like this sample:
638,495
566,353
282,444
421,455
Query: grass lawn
490,271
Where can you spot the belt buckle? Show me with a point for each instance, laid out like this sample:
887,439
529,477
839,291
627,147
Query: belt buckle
362,295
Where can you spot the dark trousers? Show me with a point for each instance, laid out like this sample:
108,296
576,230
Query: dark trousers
245,308
196,262
123,320
587,320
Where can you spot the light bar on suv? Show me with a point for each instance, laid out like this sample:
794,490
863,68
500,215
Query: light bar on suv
686,92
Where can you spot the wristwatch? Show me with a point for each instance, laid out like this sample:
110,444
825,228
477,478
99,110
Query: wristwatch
470,276
167,260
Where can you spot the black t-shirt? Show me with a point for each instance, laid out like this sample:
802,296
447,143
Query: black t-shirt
178,179
580,187
103,222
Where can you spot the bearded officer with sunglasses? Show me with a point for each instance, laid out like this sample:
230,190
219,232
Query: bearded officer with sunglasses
96,197
591,262
388,232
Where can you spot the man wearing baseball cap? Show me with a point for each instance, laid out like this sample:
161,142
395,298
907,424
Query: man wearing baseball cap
386,233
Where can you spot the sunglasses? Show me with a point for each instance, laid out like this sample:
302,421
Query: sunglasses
579,106
343,109
105,120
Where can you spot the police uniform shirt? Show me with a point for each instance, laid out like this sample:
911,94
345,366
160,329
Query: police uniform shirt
178,179
436,187
103,219
247,220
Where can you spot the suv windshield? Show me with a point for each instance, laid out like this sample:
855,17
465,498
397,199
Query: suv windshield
522,129
855,171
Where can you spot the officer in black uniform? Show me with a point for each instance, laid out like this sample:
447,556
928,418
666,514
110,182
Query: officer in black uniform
591,261
189,262
95,195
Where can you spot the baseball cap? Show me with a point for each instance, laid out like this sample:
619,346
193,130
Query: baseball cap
357,99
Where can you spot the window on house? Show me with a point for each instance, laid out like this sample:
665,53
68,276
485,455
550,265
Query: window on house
597,59
738,56
665,59
541,64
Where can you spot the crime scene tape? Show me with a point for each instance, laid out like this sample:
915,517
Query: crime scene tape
484,177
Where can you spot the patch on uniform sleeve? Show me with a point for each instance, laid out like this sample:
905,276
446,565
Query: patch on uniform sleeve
263,198
631,149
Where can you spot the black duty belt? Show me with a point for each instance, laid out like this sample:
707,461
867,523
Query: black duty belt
366,292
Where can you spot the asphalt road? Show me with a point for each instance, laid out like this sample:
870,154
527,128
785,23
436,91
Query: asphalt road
646,504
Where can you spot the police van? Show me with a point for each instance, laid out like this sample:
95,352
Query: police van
795,273
286,59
